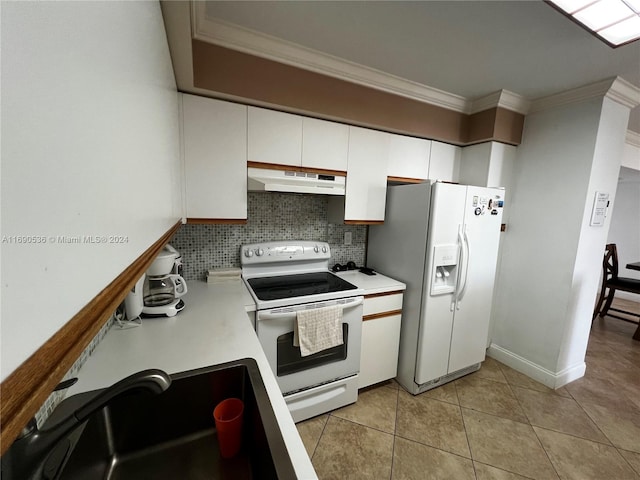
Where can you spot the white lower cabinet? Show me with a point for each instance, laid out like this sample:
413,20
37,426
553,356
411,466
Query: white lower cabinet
380,338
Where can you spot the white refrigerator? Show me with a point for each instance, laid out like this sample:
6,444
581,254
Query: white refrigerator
442,241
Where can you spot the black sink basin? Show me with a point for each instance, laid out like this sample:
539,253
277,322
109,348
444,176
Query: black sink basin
172,435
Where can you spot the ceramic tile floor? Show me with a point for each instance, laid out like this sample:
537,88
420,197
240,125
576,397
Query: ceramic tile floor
494,424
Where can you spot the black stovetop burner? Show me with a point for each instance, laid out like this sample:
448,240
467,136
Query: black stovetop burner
298,285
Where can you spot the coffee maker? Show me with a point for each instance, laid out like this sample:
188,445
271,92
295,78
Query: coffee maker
163,285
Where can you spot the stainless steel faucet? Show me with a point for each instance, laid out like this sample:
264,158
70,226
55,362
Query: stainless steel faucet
26,458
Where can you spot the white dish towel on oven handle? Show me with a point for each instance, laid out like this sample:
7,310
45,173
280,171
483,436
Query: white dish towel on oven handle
318,329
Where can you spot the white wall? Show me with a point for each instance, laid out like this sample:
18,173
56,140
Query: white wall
90,146
474,164
549,272
610,139
500,172
631,157
488,164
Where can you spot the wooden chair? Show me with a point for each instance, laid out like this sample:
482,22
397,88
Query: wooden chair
612,282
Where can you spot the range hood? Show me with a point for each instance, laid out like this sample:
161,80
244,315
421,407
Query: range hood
268,180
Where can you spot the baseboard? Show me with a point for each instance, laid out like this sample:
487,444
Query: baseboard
540,374
570,374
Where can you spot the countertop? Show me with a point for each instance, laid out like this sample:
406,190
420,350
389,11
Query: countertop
213,328
372,284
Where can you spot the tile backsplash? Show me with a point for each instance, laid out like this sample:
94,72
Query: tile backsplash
270,216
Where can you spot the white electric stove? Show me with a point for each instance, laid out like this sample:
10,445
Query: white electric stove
286,277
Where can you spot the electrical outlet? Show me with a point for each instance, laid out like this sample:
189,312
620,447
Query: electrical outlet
347,238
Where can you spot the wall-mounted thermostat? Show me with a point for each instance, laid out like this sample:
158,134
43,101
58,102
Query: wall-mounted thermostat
600,206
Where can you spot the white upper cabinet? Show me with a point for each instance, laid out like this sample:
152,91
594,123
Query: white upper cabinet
324,144
366,188
287,139
215,158
444,163
408,157
274,137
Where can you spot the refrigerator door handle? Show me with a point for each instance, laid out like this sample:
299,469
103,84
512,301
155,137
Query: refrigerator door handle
464,240
454,299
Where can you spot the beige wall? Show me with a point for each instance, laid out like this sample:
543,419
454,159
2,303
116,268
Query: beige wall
253,79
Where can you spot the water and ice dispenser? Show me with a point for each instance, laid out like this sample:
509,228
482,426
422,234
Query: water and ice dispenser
444,271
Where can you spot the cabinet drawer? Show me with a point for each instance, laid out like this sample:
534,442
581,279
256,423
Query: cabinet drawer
382,303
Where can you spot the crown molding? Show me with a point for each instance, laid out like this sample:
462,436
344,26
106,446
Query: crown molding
504,99
633,138
575,95
624,93
235,37
616,89
266,46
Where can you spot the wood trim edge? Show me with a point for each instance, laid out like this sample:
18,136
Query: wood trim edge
405,180
296,168
217,221
375,316
364,222
25,390
383,294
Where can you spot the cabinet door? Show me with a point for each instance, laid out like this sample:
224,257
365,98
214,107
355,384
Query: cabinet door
444,163
274,137
408,157
215,158
379,351
324,144
366,187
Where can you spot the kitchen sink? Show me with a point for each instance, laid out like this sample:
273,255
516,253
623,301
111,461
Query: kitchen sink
172,435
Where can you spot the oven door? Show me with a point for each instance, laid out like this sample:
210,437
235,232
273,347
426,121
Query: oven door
295,372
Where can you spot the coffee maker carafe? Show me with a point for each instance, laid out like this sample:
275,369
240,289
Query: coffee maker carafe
162,287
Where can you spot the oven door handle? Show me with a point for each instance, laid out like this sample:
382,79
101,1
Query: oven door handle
268,315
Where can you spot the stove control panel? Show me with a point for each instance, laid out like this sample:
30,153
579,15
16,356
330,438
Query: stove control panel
284,251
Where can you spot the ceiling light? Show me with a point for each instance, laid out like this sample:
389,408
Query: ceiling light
571,6
622,32
603,13
635,4
616,22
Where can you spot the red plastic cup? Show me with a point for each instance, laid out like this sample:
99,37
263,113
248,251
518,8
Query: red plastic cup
228,418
